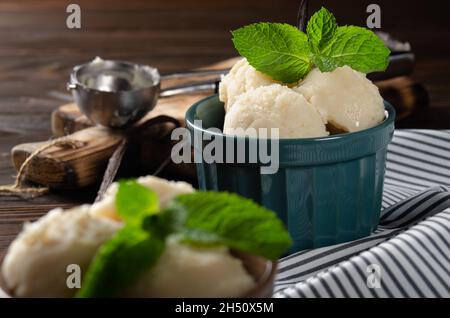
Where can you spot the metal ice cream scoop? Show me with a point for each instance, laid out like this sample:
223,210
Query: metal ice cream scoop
118,93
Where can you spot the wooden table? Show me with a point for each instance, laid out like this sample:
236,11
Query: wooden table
37,52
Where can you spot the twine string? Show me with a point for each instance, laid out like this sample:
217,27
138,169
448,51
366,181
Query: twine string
17,189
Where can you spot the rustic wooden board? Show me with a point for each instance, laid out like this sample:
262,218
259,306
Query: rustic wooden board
64,167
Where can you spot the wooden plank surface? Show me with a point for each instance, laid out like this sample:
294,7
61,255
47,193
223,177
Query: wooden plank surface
37,52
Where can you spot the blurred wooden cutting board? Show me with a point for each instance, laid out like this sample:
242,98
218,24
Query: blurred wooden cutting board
72,168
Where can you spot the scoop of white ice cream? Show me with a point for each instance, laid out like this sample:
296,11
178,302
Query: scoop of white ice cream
241,78
165,190
274,106
344,97
37,260
186,271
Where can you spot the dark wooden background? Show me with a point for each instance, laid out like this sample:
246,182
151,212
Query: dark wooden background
37,52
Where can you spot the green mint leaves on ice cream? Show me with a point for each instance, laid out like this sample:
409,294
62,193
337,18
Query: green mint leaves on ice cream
287,54
199,218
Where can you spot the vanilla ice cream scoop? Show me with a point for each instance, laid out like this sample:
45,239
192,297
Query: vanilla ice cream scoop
274,106
344,97
241,78
187,271
37,261
165,190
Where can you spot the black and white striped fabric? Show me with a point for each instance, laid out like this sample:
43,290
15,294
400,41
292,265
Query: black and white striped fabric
409,254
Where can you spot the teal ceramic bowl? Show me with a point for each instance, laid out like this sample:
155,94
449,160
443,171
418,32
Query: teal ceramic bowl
327,190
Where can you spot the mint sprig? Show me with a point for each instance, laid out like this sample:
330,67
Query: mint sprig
287,54
199,218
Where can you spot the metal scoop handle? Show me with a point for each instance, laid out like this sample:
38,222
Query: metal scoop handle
199,73
198,87
207,86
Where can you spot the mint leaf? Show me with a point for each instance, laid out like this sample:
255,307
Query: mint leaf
287,54
219,218
356,47
134,201
321,29
278,50
120,261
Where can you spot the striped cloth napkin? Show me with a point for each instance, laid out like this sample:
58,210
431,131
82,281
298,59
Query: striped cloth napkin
409,254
